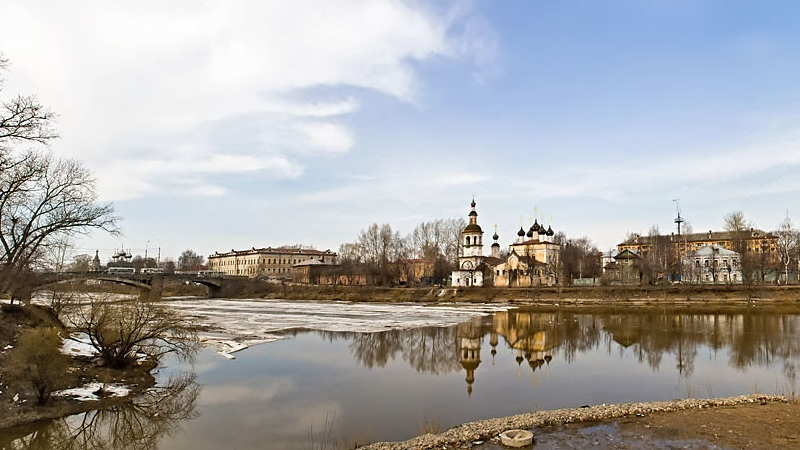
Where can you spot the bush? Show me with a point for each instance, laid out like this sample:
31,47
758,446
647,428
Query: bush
37,358
125,332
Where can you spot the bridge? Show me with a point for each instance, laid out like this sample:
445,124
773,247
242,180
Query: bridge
150,285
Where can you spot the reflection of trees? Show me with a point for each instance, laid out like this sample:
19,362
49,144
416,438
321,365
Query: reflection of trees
750,338
136,425
432,350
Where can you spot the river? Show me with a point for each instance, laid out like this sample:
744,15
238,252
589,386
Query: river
317,387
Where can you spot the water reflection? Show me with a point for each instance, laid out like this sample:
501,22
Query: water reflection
140,424
386,385
536,338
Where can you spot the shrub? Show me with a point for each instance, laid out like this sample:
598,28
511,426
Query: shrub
124,332
37,358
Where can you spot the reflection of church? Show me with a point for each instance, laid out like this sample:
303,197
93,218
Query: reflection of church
531,261
523,332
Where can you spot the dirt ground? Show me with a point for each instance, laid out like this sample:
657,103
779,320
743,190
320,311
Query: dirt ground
770,426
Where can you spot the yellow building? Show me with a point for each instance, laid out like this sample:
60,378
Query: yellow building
753,241
271,262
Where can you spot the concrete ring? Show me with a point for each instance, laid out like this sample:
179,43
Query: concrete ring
516,438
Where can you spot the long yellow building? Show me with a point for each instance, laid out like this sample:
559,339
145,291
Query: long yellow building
275,262
753,240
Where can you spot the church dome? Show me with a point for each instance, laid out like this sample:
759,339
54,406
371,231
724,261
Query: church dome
473,203
473,228
530,232
535,226
550,231
473,213
542,230
495,237
521,232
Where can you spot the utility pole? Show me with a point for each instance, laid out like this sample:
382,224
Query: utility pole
679,221
145,251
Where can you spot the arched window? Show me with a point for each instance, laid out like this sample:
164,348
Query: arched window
467,241
697,263
705,263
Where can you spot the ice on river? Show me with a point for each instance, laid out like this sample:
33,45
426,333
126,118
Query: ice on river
233,325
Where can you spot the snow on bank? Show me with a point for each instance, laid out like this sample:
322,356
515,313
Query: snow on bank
89,392
76,345
233,325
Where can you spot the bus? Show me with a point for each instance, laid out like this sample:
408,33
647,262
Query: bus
121,270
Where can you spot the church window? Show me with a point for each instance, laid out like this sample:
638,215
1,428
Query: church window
468,241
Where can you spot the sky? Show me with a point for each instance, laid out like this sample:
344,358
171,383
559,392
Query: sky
217,125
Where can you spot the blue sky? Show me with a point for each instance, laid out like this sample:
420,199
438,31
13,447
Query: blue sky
214,128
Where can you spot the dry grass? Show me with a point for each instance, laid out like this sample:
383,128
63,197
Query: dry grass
430,425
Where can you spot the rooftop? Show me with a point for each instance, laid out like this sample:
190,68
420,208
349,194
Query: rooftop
752,233
275,251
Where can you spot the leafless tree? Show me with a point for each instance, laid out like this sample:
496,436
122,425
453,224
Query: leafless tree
788,244
189,260
123,332
738,226
381,247
168,265
43,200
579,259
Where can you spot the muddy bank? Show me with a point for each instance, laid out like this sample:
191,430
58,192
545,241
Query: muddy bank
748,426
18,398
474,433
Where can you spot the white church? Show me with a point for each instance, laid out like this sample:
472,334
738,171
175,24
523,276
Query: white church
532,259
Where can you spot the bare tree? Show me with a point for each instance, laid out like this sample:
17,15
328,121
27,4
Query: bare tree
381,248
579,259
737,225
168,265
123,332
23,119
189,260
788,244
43,199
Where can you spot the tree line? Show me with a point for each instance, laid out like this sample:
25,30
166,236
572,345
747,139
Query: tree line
378,251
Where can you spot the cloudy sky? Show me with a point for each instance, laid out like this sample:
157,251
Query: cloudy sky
215,125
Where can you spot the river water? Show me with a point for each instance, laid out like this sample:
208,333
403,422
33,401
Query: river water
315,389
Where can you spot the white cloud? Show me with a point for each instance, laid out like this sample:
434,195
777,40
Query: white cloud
693,167
153,87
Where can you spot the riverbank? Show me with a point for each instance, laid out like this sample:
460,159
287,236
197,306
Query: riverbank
714,413
83,377
677,294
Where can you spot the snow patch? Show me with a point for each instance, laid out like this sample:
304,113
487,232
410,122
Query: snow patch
8,347
89,391
77,345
